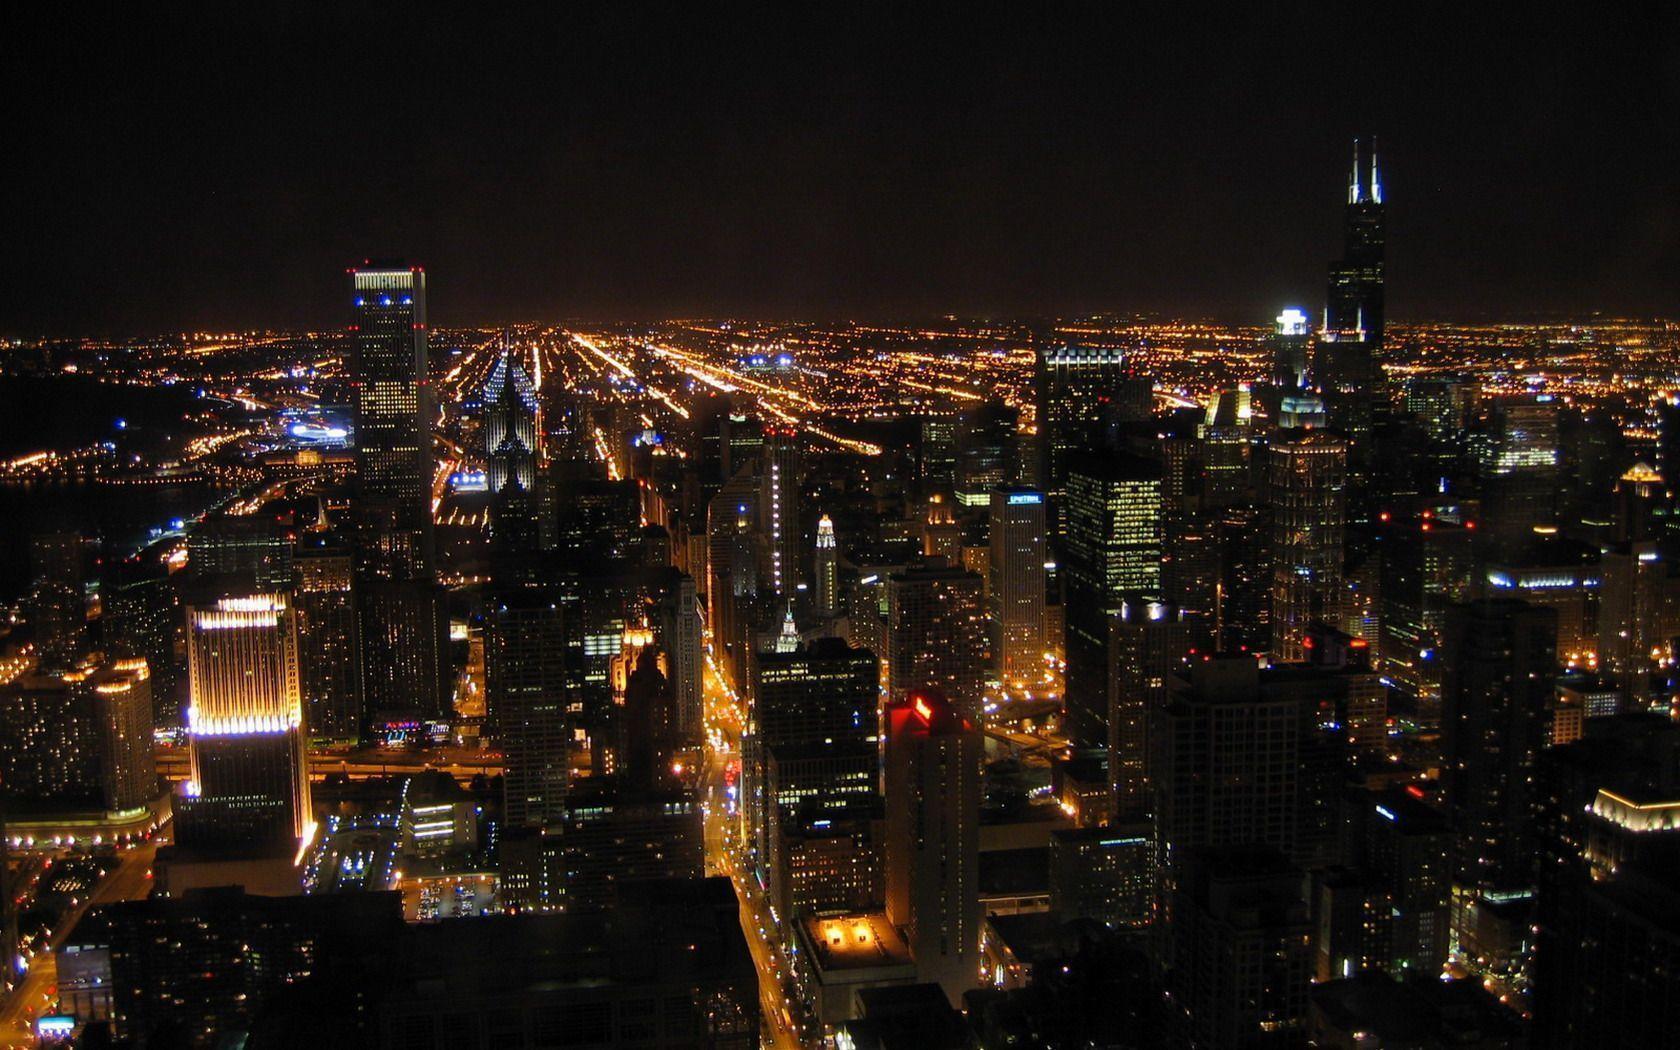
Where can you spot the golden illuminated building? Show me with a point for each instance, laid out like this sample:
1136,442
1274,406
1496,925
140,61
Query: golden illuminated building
245,722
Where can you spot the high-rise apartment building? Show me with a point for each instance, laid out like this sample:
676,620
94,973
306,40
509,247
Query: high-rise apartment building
57,601
1242,936
1306,481
77,739
1226,760
329,638
1499,659
1148,643
527,702
1016,593
1399,896
818,701
936,635
932,788
1426,567
122,700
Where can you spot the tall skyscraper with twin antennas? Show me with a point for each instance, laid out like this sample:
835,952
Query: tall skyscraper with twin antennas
1353,309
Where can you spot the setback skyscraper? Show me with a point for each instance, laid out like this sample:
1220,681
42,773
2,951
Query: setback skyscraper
511,432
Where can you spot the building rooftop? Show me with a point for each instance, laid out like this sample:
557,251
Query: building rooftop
855,941
1414,1013
1015,872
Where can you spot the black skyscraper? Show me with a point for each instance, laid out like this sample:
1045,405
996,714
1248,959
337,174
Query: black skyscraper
1345,368
1355,300
393,405
402,616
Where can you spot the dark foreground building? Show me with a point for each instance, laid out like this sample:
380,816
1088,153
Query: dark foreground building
667,969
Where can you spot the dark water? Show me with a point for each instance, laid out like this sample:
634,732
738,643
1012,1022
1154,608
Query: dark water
120,515
71,412
63,412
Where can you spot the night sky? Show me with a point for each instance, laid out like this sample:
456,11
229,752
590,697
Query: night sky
217,171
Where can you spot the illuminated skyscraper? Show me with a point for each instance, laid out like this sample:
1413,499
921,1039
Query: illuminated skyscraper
936,635
1354,306
1227,444
1148,641
788,640
244,723
1345,369
1017,586
828,568
122,696
1306,478
1520,469
988,452
1499,658
1081,392
393,412
779,507
526,702
80,738
403,624
329,638
819,702
57,605
511,433
1426,567
1291,341
932,786
1112,549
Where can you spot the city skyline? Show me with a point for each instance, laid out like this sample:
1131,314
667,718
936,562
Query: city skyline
1205,651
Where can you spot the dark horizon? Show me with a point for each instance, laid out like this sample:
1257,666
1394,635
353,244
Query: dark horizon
213,173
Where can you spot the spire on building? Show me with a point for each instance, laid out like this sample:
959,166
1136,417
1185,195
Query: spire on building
1376,180
1354,194
825,533
788,640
